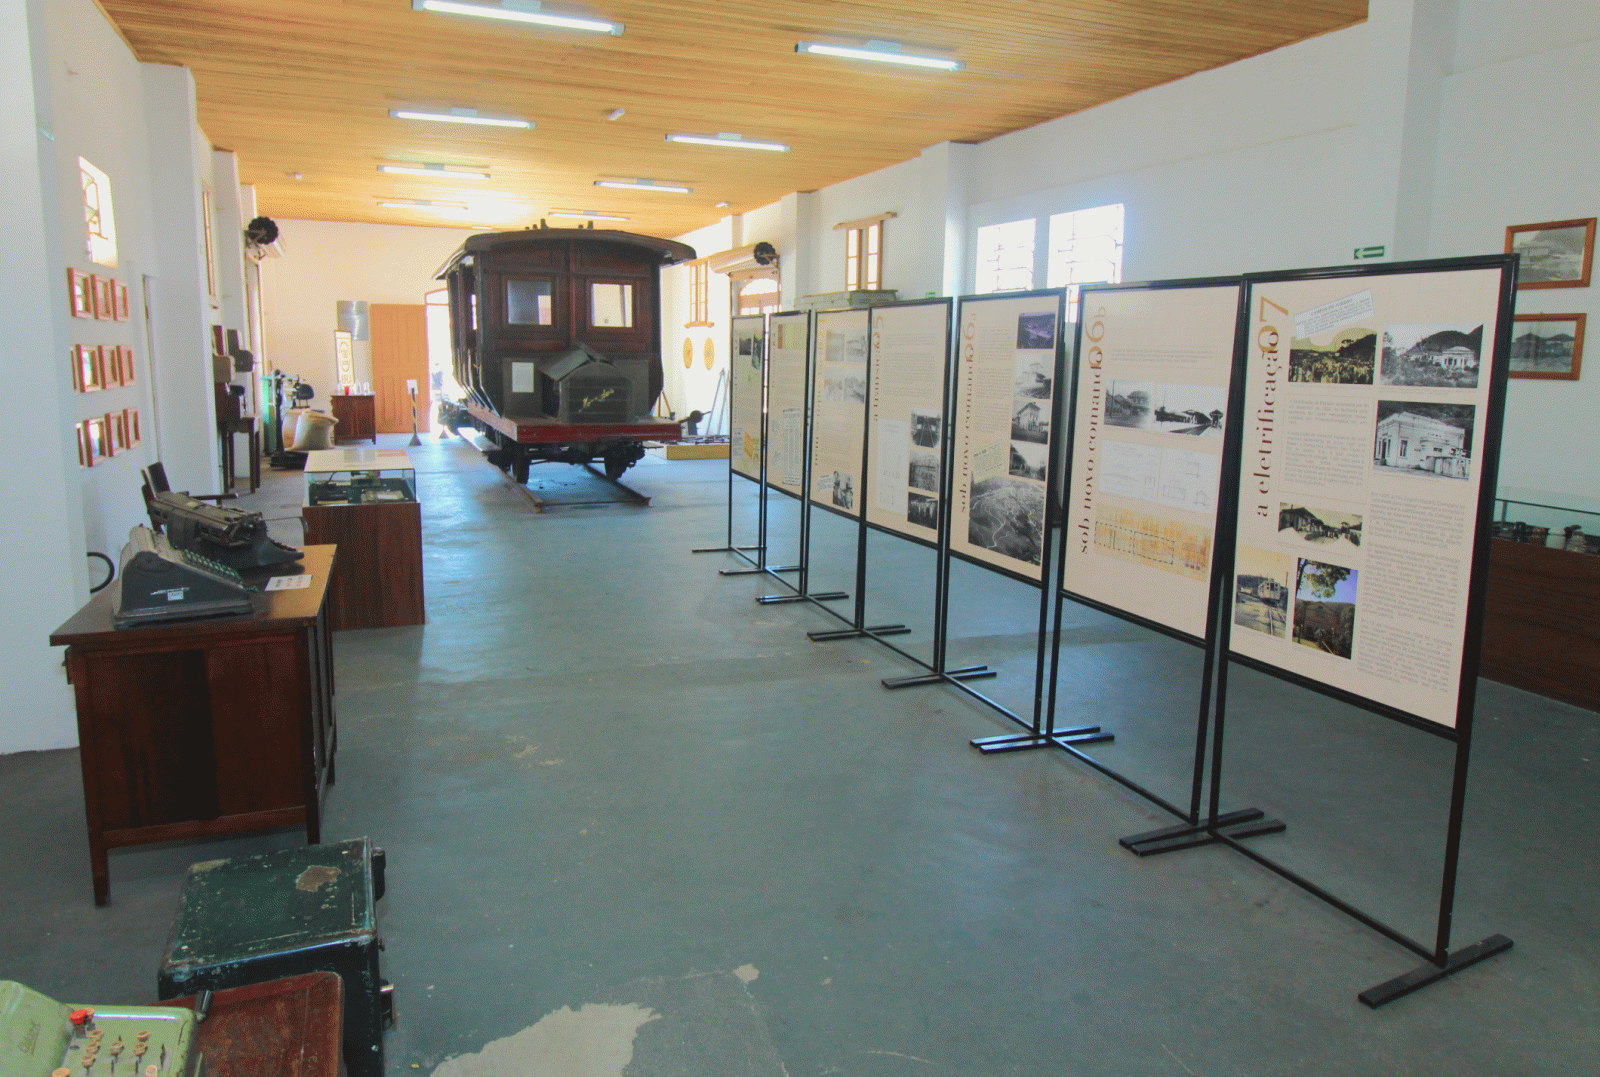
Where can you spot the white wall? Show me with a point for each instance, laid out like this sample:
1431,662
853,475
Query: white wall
73,89
325,262
1493,171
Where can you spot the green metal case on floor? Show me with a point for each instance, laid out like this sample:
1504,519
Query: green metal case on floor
40,1037
252,919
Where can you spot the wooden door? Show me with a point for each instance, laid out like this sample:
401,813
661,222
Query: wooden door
399,354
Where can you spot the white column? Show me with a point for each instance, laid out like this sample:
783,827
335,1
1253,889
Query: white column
42,566
946,171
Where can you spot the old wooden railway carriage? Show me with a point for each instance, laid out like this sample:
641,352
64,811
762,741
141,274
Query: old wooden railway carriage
557,340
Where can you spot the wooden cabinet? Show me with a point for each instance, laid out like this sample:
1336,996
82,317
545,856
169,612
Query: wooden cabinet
379,580
1541,624
358,417
202,728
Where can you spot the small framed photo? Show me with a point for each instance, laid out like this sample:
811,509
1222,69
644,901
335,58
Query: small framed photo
102,297
133,426
1555,254
1547,346
80,435
88,369
114,365
127,365
99,437
119,301
80,286
119,430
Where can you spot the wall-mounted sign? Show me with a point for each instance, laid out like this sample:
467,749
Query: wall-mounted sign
344,355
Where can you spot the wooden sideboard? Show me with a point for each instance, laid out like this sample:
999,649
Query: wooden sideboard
201,728
1541,624
358,417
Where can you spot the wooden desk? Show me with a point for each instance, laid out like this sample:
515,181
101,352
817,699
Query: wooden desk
282,1028
201,728
358,417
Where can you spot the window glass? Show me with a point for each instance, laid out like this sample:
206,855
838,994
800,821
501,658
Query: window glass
1005,257
611,305
1085,248
529,302
101,245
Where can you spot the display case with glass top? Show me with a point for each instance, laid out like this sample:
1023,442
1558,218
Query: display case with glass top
359,477
1542,519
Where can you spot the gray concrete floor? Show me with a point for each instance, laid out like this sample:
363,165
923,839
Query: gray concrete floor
638,824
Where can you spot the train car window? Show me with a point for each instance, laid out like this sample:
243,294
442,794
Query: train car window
611,305
529,302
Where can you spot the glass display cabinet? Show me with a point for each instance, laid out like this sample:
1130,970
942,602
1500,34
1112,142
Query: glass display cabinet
359,477
364,501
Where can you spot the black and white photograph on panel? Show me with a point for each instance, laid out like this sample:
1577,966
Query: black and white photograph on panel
1195,410
1030,420
925,428
1036,331
1345,358
1128,404
1033,376
1443,356
1303,524
1261,591
1325,607
844,491
1007,516
1424,438
924,472
1028,460
922,510
845,386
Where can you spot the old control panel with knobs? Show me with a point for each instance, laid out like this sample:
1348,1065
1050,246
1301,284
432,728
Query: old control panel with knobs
40,1037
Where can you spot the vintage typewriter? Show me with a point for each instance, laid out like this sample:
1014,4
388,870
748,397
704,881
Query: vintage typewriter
158,583
40,1037
232,537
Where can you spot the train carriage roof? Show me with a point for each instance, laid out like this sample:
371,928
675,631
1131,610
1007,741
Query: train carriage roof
670,251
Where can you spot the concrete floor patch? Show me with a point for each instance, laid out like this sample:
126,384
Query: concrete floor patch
595,1040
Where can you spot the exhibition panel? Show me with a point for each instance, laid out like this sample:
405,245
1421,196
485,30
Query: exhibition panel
1148,414
747,406
906,420
839,410
788,346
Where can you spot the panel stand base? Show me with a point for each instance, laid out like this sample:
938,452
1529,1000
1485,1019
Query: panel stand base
723,549
1024,742
826,596
1244,823
834,634
1415,980
965,673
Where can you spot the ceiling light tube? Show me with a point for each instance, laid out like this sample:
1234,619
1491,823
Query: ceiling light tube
584,215
725,139
883,52
525,11
426,204
433,170
458,115
644,185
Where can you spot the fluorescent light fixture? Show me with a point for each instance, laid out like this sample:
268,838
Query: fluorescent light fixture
644,185
616,114
584,215
883,51
728,138
527,11
437,171
426,205
458,115
722,205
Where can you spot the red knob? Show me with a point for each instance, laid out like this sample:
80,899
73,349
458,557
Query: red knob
80,1017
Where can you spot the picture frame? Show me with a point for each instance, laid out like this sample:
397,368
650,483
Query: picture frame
102,297
1547,346
80,434
130,425
80,293
88,369
114,365
119,430
100,437
127,366
119,301
1555,254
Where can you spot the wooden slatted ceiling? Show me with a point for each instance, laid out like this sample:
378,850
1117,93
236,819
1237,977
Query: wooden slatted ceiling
305,86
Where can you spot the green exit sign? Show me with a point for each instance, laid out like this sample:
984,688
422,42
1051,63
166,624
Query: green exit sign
1369,252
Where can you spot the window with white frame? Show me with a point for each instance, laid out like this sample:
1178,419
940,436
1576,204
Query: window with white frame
1085,248
757,295
1005,257
101,228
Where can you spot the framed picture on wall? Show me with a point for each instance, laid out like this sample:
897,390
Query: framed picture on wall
80,436
114,365
127,365
1555,254
80,288
1547,346
133,425
119,301
119,430
100,437
102,297
88,369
